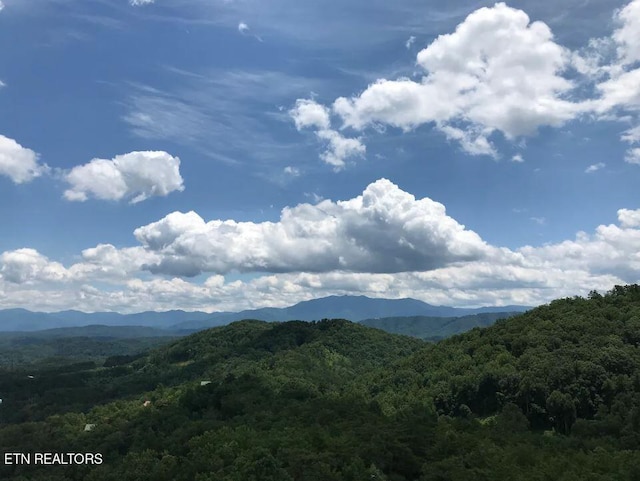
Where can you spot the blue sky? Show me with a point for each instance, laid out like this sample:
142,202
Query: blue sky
228,154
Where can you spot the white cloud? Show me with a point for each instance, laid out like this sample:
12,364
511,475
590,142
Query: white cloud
632,135
28,265
136,175
517,158
629,32
310,114
1,6
2,84
107,263
633,156
471,79
473,87
474,143
19,163
629,218
383,230
384,243
339,148
612,250
622,90
539,220
137,3
410,41
594,168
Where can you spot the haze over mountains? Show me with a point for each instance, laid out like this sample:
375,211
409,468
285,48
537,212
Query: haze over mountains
354,308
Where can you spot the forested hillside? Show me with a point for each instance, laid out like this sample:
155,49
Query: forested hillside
435,328
552,394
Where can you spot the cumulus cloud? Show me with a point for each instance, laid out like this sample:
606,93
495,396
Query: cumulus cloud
517,158
382,230
19,163
339,148
627,35
28,265
383,243
1,6
473,87
308,113
611,250
472,80
136,176
629,218
594,168
138,3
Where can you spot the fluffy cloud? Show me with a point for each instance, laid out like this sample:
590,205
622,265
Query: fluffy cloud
137,3
629,218
383,243
383,230
243,28
611,250
339,148
19,163
107,263
629,32
28,265
473,80
136,175
310,114
1,6
474,87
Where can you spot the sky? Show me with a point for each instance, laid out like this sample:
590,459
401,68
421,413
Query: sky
220,155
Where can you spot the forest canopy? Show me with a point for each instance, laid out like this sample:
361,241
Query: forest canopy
553,393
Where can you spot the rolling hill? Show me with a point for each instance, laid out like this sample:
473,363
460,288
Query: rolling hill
553,393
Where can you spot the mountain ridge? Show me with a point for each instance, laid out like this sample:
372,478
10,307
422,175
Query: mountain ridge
354,308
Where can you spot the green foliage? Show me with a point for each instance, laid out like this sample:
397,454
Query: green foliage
553,394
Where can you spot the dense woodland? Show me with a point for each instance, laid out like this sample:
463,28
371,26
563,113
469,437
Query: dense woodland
431,328
21,350
552,394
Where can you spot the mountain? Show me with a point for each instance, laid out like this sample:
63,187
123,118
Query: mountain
354,308
553,393
97,331
24,320
434,328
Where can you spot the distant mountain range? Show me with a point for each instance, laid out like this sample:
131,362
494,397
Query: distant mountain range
436,328
353,308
